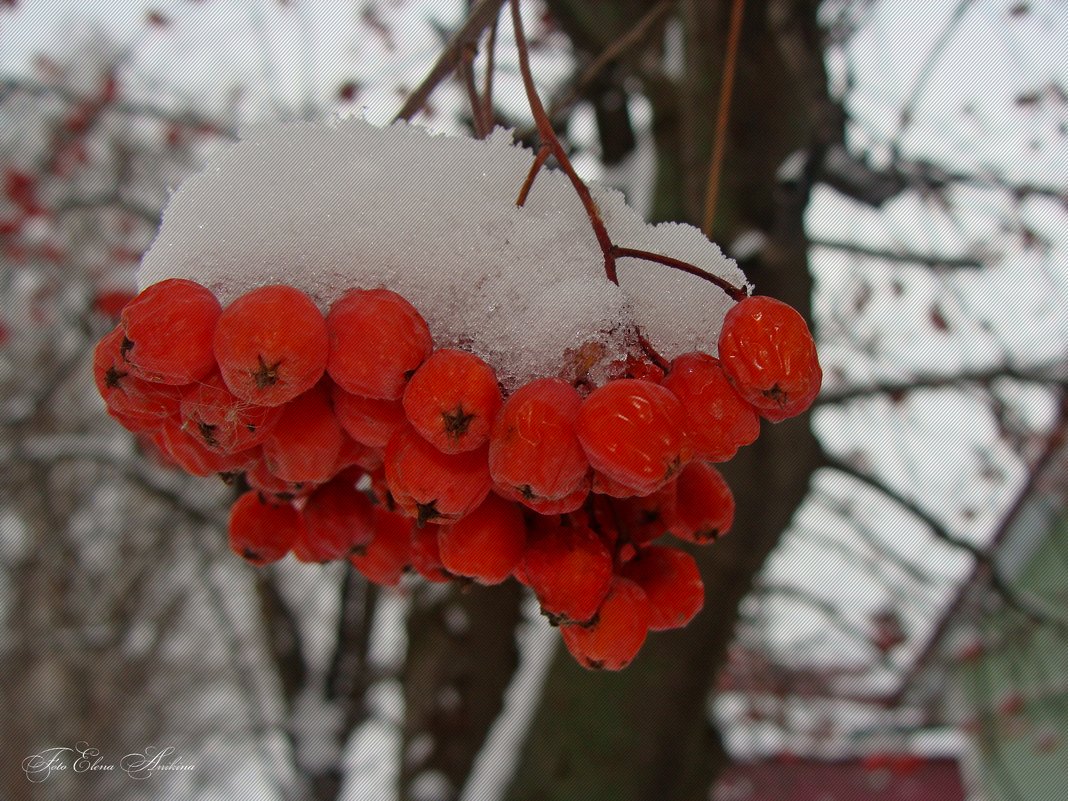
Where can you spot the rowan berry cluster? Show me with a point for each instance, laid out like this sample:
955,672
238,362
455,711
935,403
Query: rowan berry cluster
360,440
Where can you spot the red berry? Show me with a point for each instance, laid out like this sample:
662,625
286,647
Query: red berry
338,519
549,506
271,345
705,504
452,400
196,459
769,356
128,397
169,329
569,569
487,544
384,558
262,532
646,519
633,432
305,442
368,420
353,454
221,421
671,582
603,485
719,420
377,340
432,486
614,638
274,488
426,555
534,451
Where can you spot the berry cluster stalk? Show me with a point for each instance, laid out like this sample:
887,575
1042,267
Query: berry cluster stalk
551,146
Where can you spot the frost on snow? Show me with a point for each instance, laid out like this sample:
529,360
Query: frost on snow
327,208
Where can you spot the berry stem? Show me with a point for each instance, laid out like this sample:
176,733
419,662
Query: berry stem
535,168
549,138
653,354
734,292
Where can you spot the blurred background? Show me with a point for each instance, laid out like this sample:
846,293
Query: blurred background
888,618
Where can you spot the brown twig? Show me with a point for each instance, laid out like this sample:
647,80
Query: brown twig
549,138
726,90
467,75
734,292
487,85
483,13
535,168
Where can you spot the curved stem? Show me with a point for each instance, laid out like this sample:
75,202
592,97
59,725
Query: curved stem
734,292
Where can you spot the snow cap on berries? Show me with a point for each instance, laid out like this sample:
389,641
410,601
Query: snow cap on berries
329,208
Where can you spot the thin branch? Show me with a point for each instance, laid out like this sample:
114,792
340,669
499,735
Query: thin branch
487,86
726,92
467,76
734,292
929,260
482,15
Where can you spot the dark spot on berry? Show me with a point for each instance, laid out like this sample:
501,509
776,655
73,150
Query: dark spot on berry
595,664
649,516
527,492
250,555
408,375
266,375
207,433
358,550
425,512
673,468
777,394
250,427
706,534
229,478
125,348
456,422
112,377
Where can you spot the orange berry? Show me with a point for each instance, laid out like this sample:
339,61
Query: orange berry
223,422
305,442
569,569
671,582
705,505
262,532
486,544
368,420
431,486
384,559
338,519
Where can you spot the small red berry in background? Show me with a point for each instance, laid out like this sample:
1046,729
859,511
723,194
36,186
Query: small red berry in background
770,357
271,345
614,637
568,567
338,519
168,332
452,400
377,341
262,532
487,544
633,432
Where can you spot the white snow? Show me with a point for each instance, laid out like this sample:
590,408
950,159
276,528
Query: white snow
330,207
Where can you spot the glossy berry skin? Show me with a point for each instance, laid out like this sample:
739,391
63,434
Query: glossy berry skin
632,431
431,486
671,582
704,505
127,397
614,638
377,341
169,329
487,544
339,520
271,345
452,400
223,422
719,420
569,569
603,485
770,357
368,420
534,452
383,560
305,443
548,506
262,532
